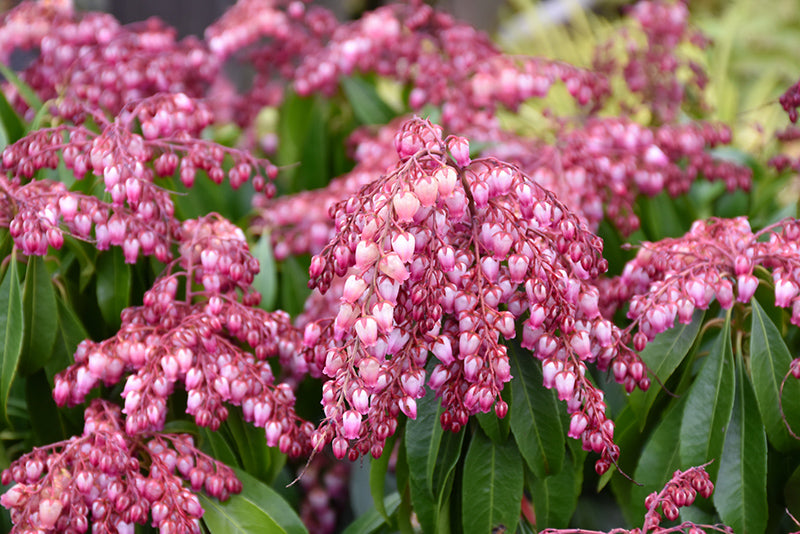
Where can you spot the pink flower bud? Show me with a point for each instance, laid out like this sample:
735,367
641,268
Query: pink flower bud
368,370
746,287
367,330
130,248
49,510
116,230
405,205
459,148
565,384
409,407
392,266
439,376
443,350
403,245
446,178
273,433
339,446
351,424
383,312
366,254
426,188
468,343
68,205
785,291
412,382
472,366
655,156
577,425
360,400
354,287
620,370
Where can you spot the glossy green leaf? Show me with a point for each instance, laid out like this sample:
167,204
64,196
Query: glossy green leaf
493,478
113,285
555,497
662,356
215,444
293,285
11,329
12,124
708,405
41,317
25,91
769,363
535,415
374,520
659,459
86,257
255,456
258,509
378,467
266,281
69,334
740,493
432,455
368,107
47,420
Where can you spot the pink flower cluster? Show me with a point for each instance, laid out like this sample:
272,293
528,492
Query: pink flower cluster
91,61
139,217
600,167
113,479
716,259
656,69
446,255
202,338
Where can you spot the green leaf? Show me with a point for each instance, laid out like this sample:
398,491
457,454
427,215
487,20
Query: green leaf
69,334
218,447
493,478
432,455
659,459
87,259
740,494
535,415
555,497
266,281
25,91
113,285
378,468
257,458
11,328
258,509
41,317
47,420
12,124
662,356
769,363
374,519
293,285
367,105
708,405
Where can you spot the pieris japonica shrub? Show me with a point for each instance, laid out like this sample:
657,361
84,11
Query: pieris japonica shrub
360,294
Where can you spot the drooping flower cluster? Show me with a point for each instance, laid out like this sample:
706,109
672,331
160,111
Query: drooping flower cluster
716,259
324,484
446,63
113,480
599,168
790,101
681,490
91,61
662,75
446,255
201,337
139,217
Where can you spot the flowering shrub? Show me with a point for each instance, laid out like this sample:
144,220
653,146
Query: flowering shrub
191,320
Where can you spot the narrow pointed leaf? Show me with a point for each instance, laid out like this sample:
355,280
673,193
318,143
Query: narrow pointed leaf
493,478
258,509
11,328
113,285
41,317
769,363
25,90
659,459
708,405
432,455
535,416
373,520
555,497
367,104
662,356
378,468
266,281
740,494
12,124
